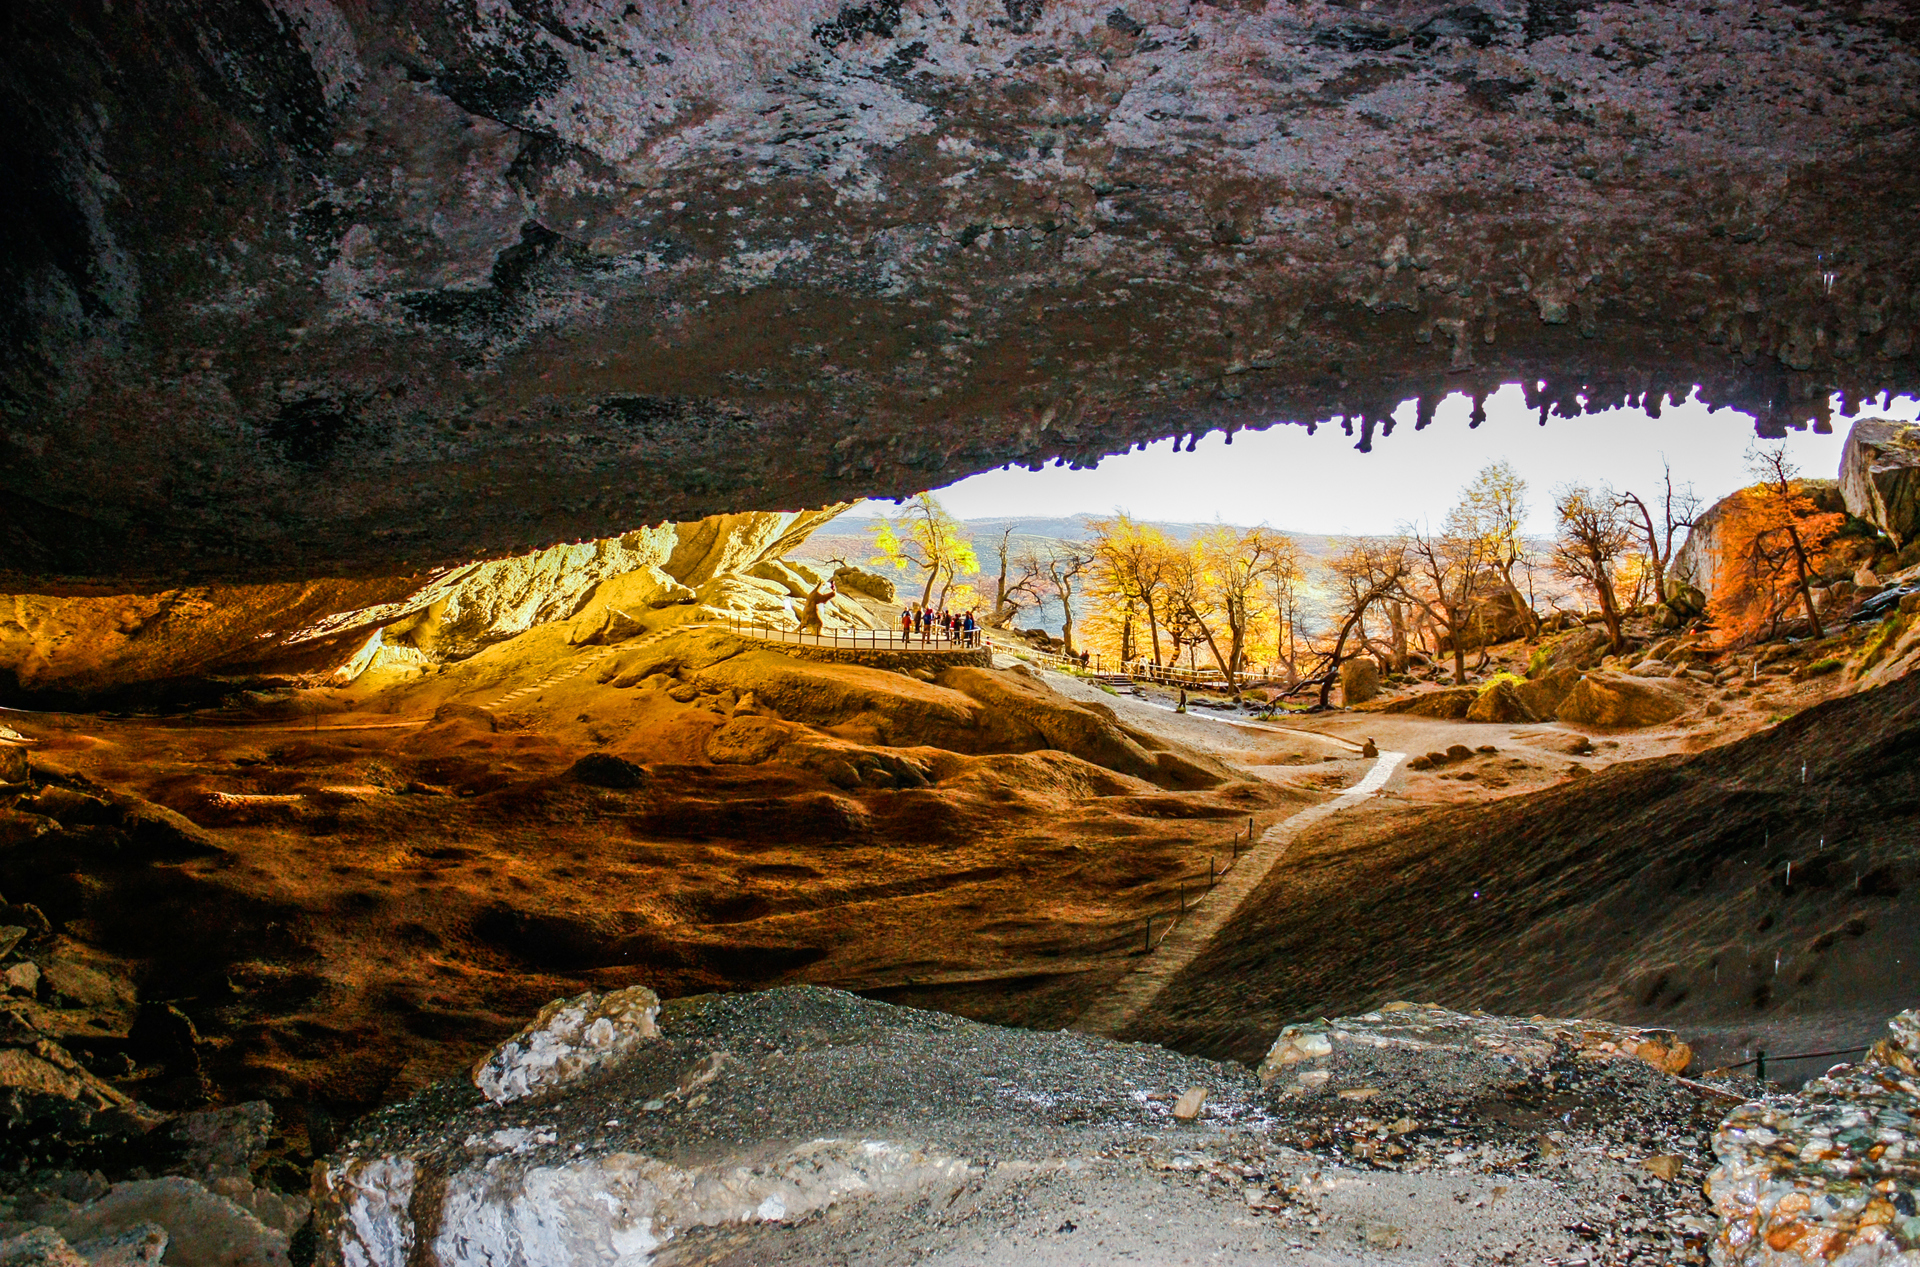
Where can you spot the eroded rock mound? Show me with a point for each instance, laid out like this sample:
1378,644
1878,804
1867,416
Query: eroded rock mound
751,1112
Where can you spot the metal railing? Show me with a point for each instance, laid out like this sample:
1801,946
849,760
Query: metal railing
856,639
1138,670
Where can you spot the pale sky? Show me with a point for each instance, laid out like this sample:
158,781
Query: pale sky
1286,478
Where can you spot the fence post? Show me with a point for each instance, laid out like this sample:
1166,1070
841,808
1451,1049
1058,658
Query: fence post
1183,897
1149,945
1210,880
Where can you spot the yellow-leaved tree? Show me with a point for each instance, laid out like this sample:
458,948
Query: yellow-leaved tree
923,537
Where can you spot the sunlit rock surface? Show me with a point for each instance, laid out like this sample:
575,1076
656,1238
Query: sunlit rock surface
309,288
77,642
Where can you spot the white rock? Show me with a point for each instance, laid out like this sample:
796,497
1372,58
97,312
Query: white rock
569,1039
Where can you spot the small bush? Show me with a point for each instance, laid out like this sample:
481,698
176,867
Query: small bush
1883,638
1819,667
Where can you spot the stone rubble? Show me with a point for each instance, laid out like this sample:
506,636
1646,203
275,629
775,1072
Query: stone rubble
1303,1051
1829,1176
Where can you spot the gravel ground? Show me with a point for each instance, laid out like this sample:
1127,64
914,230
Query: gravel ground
1072,1153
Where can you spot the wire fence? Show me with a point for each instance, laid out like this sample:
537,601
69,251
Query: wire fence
1759,1059
1202,884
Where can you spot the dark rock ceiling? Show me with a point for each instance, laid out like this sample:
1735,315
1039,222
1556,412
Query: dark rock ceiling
334,286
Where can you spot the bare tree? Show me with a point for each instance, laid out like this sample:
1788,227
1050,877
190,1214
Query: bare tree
1790,519
1444,574
1135,561
1060,567
1493,510
1594,533
1219,584
1679,508
1018,584
1366,573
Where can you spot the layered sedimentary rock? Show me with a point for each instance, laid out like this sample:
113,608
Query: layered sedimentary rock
293,287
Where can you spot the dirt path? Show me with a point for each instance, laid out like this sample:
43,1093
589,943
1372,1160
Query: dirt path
1134,993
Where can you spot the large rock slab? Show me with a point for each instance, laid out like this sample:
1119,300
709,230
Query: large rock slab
1880,476
1308,1056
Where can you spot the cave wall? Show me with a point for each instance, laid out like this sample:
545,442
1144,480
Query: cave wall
344,287
198,644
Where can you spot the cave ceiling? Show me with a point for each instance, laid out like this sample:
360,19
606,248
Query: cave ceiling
314,287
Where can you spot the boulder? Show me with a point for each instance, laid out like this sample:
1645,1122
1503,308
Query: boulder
747,740
603,769
862,581
1499,701
1542,695
1450,703
1697,561
201,1228
1359,680
1492,617
569,1039
1580,648
1880,476
13,763
1616,701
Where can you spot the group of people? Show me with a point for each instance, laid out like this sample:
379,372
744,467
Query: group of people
944,626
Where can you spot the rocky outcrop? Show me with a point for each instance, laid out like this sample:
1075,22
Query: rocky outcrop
483,281
750,1114
1500,701
1697,562
1880,476
1304,1056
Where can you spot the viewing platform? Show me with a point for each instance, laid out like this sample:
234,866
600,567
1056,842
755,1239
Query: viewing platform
873,648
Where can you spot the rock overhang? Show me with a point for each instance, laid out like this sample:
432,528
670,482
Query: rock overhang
305,289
